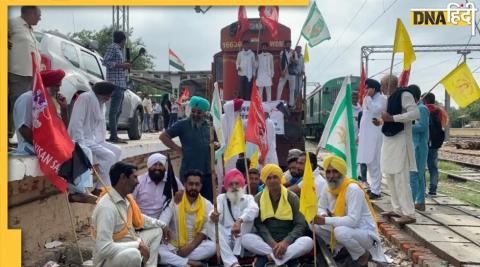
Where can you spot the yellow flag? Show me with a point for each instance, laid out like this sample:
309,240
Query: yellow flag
237,141
254,159
306,57
308,197
403,44
461,85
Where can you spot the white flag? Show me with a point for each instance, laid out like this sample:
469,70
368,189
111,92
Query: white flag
216,112
338,136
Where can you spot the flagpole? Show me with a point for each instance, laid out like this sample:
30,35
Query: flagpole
214,186
73,228
314,245
174,210
431,89
391,70
168,58
246,171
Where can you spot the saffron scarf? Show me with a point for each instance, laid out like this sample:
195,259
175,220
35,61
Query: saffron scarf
184,208
284,210
340,204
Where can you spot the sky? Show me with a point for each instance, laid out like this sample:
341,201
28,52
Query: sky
352,23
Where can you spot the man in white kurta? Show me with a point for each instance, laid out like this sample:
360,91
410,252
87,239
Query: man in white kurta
398,156
235,216
246,71
88,128
265,72
150,193
272,141
116,242
370,136
189,244
355,229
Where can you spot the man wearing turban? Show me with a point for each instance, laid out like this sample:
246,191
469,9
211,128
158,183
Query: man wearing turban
194,135
345,216
370,135
280,225
22,109
150,193
236,212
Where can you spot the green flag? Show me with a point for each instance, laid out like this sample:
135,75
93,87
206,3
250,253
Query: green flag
338,135
315,29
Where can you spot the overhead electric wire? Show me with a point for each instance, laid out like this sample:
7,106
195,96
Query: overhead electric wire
361,34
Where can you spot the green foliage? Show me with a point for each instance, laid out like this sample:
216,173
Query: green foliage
104,39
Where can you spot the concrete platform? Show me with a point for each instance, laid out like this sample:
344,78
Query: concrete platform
448,227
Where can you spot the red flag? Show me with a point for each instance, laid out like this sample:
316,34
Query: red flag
361,86
404,77
256,125
243,23
269,18
51,141
185,95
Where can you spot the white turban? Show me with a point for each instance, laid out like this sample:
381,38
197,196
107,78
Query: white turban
154,158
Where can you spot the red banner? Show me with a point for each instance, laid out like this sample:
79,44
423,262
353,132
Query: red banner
243,23
361,86
52,144
404,77
269,18
256,125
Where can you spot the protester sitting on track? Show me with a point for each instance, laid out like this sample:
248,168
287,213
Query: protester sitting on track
190,226
256,185
236,212
150,192
353,219
318,178
114,221
292,175
280,225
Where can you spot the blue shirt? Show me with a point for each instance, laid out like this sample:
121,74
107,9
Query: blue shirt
114,57
420,128
195,146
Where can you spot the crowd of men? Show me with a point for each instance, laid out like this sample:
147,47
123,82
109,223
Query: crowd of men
261,68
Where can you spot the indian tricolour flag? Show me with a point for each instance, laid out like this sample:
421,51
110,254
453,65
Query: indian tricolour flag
338,137
175,61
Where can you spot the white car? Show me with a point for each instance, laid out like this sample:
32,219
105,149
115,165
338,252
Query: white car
83,68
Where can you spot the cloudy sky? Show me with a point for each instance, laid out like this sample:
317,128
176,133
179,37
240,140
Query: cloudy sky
352,23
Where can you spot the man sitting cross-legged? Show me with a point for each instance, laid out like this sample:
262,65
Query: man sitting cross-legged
353,220
280,225
236,212
190,226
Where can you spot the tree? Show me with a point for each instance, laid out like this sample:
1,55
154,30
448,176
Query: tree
104,39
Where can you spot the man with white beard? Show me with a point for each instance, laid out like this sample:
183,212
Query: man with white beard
235,216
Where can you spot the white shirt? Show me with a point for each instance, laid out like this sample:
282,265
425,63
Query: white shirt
87,121
320,182
246,62
21,35
399,148
107,219
246,209
357,213
149,196
157,108
271,156
170,216
147,105
22,115
265,69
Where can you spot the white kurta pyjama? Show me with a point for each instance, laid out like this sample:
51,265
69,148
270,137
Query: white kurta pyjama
88,128
370,139
356,231
205,250
107,219
398,159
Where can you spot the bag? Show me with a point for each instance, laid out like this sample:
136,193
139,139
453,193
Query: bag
436,132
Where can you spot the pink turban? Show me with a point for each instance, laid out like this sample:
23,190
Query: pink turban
233,174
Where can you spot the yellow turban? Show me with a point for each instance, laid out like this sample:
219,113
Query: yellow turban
336,162
270,169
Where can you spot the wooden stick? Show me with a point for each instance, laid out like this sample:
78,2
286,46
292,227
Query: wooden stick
246,172
214,188
73,228
391,70
314,245
431,89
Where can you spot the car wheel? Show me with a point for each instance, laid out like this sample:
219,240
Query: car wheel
135,129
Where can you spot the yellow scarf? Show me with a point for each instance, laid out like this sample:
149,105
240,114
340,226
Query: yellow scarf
339,211
199,211
284,210
134,217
